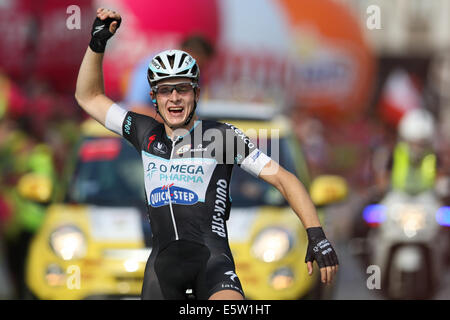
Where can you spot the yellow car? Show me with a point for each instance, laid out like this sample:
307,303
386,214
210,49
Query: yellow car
267,239
96,241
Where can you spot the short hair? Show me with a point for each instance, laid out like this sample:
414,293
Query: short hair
198,42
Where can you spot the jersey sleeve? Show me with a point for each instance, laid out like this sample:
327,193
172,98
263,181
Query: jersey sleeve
130,125
244,151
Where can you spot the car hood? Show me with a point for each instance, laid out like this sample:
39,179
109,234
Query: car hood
101,223
245,223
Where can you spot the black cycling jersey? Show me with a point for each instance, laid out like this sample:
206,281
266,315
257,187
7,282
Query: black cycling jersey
188,198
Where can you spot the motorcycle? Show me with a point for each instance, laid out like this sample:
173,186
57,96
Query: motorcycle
407,240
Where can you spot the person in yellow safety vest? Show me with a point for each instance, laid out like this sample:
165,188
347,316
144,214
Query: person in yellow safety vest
412,166
27,215
31,213
25,157
414,162
20,155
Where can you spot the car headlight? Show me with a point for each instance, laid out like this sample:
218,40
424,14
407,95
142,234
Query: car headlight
272,244
282,278
68,242
54,275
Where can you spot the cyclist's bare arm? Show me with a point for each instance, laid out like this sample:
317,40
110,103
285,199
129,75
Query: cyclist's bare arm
299,200
90,93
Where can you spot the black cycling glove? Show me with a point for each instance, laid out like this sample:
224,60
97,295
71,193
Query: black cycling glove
320,249
100,34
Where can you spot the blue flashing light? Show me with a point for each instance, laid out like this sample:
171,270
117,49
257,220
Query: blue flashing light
374,213
443,216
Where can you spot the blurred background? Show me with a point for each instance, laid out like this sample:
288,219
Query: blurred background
345,72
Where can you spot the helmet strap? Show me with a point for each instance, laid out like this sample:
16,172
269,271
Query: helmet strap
189,118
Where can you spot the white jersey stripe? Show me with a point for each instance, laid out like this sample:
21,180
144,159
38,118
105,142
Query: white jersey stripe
115,118
255,162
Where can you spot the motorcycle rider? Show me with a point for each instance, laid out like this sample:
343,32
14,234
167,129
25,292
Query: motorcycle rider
411,167
409,258
413,164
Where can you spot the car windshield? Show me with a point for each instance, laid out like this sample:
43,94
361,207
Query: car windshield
249,191
108,173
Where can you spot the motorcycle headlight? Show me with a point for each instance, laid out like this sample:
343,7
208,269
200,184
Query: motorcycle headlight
272,244
68,242
411,219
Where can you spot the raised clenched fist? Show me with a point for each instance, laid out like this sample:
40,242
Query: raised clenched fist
105,25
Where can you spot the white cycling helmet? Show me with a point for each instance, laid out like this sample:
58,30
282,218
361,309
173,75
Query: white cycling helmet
417,125
172,64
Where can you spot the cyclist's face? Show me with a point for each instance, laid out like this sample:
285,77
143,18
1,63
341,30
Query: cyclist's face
176,99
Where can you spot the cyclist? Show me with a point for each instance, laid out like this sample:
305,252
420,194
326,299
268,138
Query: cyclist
187,185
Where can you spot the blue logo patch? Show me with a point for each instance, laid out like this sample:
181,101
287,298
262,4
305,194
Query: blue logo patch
160,196
256,155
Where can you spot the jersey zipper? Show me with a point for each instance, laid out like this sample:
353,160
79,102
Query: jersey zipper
170,198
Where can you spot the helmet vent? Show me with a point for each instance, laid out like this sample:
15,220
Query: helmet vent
184,55
160,62
194,69
171,60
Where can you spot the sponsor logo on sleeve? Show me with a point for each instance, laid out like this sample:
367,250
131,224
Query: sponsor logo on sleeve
241,135
256,155
127,125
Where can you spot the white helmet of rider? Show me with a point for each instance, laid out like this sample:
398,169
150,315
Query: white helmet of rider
172,64
417,125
